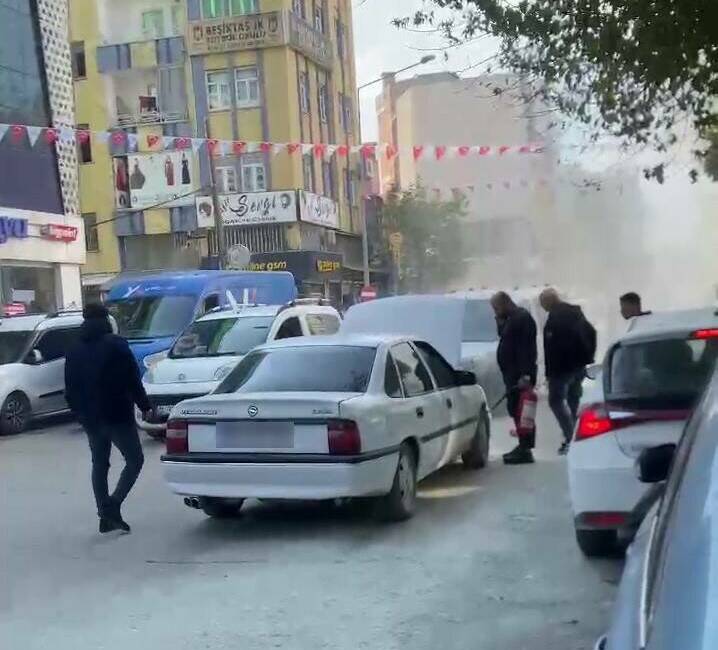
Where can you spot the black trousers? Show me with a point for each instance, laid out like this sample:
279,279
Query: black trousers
101,438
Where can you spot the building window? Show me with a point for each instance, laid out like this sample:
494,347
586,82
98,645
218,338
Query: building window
323,100
254,177
304,91
327,179
341,45
247,87
214,8
298,8
177,15
347,113
219,90
226,178
84,146
308,172
79,63
318,16
242,7
153,24
350,187
92,241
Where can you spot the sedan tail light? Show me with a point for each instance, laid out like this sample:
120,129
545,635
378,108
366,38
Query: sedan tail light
593,421
343,437
177,437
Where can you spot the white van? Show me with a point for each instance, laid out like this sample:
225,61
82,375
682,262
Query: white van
205,353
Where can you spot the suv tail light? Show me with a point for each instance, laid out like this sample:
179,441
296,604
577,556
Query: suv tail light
710,333
343,437
176,437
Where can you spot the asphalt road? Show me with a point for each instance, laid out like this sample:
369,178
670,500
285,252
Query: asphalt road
489,561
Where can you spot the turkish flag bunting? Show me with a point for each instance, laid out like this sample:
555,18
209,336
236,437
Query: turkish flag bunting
51,136
484,151
525,149
319,150
418,151
118,138
343,150
440,152
464,151
17,131
265,147
503,149
368,150
238,147
152,140
212,145
292,148
183,143
83,137
391,152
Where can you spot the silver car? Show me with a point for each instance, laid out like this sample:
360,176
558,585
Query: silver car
668,598
32,367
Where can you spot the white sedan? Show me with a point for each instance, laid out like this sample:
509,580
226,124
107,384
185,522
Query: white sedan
325,418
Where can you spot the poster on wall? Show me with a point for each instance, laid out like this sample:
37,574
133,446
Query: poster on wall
121,183
318,210
166,178
249,209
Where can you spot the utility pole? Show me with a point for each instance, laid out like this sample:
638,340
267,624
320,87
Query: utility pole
218,223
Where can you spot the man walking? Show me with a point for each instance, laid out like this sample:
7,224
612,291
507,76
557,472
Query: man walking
569,346
102,386
516,356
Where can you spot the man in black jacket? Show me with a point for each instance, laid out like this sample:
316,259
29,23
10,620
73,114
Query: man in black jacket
102,386
569,346
516,356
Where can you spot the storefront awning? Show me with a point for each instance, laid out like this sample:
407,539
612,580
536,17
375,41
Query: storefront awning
96,279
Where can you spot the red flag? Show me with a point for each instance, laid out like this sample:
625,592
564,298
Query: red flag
51,136
464,151
418,151
343,150
484,151
292,148
391,152
440,152
265,147
83,137
183,143
368,150
118,138
525,149
152,140
239,146
17,131
212,146
319,151
503,149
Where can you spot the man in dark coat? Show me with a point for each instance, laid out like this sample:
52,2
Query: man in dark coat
102,385
569,346
516,356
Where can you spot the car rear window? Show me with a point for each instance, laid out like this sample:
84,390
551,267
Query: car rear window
667,374
324,369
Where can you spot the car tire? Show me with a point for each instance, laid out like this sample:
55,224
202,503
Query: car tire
399,504
477,455
597,543
220,508
15,414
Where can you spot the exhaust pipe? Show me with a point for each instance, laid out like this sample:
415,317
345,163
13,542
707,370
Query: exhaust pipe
192,502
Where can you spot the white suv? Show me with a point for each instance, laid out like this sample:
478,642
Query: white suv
205,353
32,367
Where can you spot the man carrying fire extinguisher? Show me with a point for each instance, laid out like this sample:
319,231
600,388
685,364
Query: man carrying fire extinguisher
517,359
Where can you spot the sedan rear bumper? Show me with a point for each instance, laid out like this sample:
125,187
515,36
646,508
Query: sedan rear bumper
282,480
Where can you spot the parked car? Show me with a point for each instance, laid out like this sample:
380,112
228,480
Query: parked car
32,367
209,349
151,309
468,336
645,390
324,418
667,596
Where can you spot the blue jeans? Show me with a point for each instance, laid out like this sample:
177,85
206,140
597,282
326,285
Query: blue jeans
564,395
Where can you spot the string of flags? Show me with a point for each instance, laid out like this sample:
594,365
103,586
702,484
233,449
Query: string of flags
153,142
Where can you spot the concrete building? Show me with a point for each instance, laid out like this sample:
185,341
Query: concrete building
233,70
41,239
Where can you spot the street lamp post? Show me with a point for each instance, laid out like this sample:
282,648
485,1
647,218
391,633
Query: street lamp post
365,236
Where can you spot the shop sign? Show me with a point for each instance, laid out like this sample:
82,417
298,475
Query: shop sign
328,266
14,309
12,227
309,41
316,266
59,232
269,265
164,180
319,210
236,33
368,293
249,209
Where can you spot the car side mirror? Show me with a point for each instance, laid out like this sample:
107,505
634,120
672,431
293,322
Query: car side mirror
465,378
654,464
593,371
34,357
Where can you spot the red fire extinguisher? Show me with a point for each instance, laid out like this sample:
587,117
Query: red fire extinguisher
526,416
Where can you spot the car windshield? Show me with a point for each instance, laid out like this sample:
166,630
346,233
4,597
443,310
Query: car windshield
151,317
479,322
665,374
222,336
324,369
13,345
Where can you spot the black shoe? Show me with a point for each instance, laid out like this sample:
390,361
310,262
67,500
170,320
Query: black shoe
114,518
108,525
519,456
563,449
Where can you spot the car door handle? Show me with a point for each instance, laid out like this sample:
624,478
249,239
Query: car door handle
420,412
449,403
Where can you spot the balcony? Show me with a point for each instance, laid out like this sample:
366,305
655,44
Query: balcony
141,55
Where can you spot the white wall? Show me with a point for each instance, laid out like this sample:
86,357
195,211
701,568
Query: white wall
70,293
121,20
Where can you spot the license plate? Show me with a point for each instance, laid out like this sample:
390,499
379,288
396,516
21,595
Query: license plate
164,410
255,435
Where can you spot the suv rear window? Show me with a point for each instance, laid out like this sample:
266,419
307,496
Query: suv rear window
479,322
324,369
666,374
